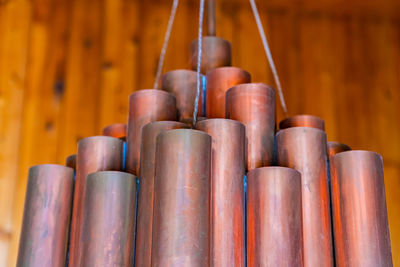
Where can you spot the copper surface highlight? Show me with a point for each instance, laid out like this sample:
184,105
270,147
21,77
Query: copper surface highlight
227,190
219,80
304,149
303,121
274,217
253,104
108,224
146,192
181,223
146,106
359,210
48,202
96,153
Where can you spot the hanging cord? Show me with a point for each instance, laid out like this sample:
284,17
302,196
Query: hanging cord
165,44
199,51
269,55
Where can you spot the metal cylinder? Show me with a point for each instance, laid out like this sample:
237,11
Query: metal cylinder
117,130
181,223
48,202
216,52
108,225
359,210
183,85
274,218
219,80
304,149
96,153
70,161
253,104
336,147
227,190
146,106
303,121
146,192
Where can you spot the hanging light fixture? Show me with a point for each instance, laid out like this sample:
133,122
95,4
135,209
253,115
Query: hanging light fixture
226,189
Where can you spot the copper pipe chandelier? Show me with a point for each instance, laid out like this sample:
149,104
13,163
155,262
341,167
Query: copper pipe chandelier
201,176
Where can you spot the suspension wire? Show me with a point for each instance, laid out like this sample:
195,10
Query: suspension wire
269,55
199,52
165,44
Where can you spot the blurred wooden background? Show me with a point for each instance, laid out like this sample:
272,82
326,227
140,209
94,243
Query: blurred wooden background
67,68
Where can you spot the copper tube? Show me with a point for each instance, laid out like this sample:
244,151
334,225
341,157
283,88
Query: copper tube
183,85
253,104
146,192
336,147
44,235
359,210
219,80
70,161
108,224
146,106
227,190
303,121
304,149
181,221
211,25
274,219
96,153
117,130
217,52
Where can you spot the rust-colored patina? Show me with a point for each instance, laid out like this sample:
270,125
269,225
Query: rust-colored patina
274,219
117,130
303,121
108,225
253,104
96,153
227,190
146,106
219,80
304,149
70,161
183,85
216,52
48,202
336,147
181,223
146,192
359,210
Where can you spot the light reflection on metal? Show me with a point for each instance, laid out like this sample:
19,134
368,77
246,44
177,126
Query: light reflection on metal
227,192
305,149
182,84
146,192
117,130
219,80
217,52
108,223
359,210
96,153
146,106
47,212
181,228
303,121
274,217
253,104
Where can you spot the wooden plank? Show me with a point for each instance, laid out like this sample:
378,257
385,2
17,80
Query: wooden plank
120,28
14,29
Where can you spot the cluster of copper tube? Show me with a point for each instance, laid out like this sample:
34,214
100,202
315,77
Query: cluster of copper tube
192,208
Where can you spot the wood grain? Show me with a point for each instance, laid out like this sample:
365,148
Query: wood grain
67,68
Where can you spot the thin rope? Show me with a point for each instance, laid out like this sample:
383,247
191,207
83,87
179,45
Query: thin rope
165,44
199,52
269,55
